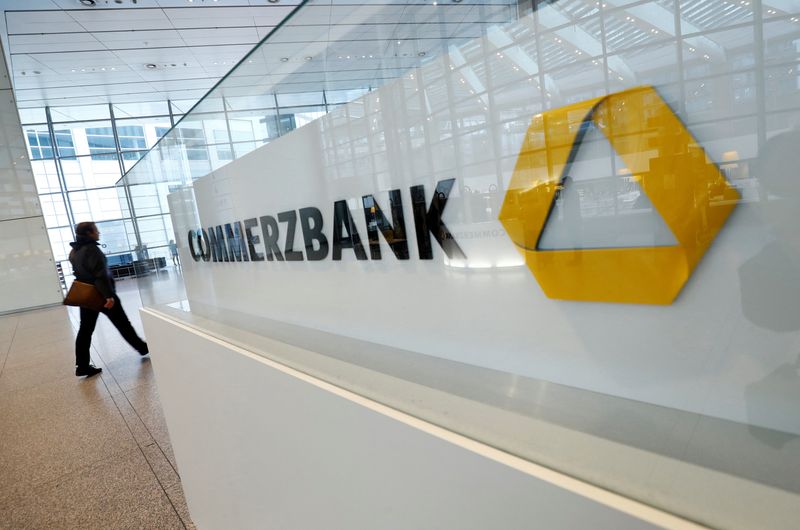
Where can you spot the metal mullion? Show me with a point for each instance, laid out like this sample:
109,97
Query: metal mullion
228,127
277,115
62,182
171,116
125,185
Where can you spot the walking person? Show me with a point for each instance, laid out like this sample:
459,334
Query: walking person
173,250
89,265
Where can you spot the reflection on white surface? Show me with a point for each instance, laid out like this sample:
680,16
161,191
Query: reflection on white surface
431,125
601,205
725,351
27,272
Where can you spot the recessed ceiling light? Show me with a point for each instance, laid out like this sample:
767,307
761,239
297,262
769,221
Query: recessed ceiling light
151,66
308,58
284,59
421,54
88,3
273,1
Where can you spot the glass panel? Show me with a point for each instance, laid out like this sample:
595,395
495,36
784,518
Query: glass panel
141,133
54,210
155,231
46,176
32,116
140,109
129,158
79,113
344,96
60,238
96,171
149,199
782,41
114,238
300,100
471,95
40,146
782,84
98,204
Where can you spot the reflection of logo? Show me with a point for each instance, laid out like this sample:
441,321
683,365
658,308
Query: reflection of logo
685,187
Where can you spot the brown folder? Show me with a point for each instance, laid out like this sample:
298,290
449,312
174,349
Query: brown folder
86,295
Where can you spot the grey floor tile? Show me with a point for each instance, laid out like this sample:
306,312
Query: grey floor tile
135,424
175,494
145,401
60,394
38,448
34,375
42,317
76,452
161,466
61,353
132,372
52,331
119,492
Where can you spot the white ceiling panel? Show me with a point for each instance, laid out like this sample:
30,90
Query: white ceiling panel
40,22
62,53
48,42
72,4
266,15
114,40
218,36
121,20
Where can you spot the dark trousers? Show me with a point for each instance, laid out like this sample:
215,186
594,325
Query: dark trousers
88,322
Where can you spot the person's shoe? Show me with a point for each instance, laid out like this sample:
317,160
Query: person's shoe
144,351
88,371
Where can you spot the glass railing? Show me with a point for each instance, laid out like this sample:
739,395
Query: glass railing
678,386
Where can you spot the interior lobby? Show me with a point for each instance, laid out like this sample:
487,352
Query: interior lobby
452,264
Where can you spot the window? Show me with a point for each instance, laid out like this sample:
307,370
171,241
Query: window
131,137
101,143
42,148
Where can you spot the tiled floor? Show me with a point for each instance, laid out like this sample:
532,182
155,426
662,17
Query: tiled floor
79,453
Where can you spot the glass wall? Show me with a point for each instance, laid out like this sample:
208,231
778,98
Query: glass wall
78,155
94,145
688,404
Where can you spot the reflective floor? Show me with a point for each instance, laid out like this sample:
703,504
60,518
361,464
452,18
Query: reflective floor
77,452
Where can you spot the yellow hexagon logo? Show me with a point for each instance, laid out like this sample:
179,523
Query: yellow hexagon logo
684,186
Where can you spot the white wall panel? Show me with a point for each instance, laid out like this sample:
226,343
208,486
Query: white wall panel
27,271
285,453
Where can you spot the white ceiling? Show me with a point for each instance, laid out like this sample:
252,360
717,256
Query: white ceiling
62,53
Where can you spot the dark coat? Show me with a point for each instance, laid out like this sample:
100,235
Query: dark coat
90,265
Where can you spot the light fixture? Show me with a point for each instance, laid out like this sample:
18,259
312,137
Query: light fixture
150,66
88,3
284,59
273,1
308,58
421,54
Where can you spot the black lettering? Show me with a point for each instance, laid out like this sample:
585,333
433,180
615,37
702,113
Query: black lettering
430,222
205,248
252,239
343,219
237,247
269,229
192,235
395,233
217,243
290,218
313,233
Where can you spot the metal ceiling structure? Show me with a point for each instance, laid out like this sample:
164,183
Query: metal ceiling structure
67,53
